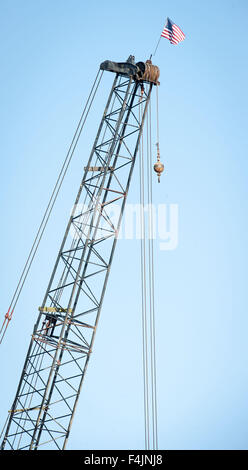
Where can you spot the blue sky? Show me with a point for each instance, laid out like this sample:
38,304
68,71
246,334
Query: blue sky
50,53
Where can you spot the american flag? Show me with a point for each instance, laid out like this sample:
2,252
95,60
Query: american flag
172,32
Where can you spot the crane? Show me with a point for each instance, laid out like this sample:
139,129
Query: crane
62,339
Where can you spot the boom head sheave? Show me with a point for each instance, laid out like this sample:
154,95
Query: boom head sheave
140,71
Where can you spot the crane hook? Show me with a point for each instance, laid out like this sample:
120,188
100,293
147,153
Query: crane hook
158,166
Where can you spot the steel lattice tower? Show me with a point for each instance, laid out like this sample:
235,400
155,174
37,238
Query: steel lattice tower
63,336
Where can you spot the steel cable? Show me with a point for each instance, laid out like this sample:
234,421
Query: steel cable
151,282
143,297
147,291
50,205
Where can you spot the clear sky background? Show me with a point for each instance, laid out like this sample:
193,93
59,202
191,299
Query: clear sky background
50,53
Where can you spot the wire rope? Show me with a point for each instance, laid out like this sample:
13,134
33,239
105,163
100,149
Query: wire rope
151,280
143,296
148,288
50,205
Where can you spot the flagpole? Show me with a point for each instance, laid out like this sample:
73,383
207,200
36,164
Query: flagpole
156,46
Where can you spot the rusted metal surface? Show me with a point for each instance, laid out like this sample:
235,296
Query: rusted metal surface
150,72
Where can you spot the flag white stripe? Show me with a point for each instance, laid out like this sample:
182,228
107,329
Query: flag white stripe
176,36
166,34
179,31
179,36
169,35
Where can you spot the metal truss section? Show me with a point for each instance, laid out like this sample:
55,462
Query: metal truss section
63,336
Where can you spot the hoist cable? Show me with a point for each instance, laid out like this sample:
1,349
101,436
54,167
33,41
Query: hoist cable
148,290
50,205
151,281
143,298
157,114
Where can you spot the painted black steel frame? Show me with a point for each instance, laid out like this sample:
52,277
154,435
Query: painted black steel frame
63,336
